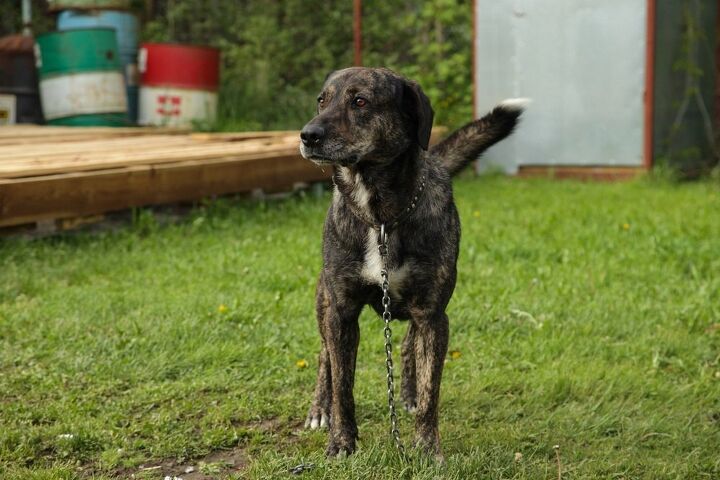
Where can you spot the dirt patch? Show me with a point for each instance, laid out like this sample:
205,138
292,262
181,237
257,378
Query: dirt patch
209,467
215,464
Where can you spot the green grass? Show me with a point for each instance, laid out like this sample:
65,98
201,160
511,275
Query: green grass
585,316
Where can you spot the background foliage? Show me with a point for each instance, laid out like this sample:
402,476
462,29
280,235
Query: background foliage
11,17
276,53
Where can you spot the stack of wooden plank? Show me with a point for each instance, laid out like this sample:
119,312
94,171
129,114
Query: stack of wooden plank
55,172
28,134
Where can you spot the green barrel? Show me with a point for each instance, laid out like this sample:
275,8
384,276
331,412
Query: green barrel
81,79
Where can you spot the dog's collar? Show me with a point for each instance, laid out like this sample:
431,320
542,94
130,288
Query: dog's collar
408,210
404,214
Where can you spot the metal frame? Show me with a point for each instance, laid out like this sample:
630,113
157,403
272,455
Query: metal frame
649,86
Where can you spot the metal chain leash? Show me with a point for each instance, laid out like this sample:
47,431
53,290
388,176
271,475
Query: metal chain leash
382,246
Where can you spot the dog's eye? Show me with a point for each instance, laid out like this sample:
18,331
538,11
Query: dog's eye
320,100
359,102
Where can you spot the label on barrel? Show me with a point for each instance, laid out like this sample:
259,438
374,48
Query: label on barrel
7,109
168,105
176,107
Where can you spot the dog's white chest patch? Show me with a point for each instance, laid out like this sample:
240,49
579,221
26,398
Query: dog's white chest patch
360,193
373,265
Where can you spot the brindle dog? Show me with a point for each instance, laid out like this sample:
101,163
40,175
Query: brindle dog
373,126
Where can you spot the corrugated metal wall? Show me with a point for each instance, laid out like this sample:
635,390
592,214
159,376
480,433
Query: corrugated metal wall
582,62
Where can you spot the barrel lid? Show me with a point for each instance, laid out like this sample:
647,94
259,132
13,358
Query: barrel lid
179,45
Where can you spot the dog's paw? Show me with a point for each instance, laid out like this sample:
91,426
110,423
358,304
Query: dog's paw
430,446
409,398
410,406
318,418
339,448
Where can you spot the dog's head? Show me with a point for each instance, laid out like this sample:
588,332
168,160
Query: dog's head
366,115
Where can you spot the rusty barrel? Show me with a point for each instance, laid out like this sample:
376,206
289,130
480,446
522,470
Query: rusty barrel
81,79
19,98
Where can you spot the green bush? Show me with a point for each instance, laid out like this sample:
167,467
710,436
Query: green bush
276,54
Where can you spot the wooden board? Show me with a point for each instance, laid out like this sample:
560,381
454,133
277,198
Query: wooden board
29,134
51,173
61,172
93,156
84,193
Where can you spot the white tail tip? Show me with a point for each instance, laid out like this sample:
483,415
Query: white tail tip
515,103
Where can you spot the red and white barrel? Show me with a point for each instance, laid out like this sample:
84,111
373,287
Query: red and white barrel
178,84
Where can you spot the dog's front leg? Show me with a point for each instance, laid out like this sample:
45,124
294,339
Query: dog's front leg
319,414
431,341
342,335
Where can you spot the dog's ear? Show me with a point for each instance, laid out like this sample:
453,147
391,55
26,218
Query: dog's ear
417,105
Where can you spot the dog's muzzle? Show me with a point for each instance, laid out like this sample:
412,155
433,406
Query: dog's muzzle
312,135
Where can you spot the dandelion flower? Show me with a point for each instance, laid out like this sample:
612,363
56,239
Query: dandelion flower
476,214
222,308
302,363
455,354
626,226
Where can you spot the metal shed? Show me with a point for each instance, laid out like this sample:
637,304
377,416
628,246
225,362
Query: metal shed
603,80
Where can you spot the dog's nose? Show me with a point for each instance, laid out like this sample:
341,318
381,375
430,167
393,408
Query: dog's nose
312,135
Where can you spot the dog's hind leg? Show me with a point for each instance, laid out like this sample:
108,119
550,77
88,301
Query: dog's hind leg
408,387
431,341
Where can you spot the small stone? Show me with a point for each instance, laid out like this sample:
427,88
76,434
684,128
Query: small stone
518,456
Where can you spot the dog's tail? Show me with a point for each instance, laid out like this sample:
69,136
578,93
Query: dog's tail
468,142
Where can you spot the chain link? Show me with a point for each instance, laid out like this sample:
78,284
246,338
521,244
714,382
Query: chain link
387,317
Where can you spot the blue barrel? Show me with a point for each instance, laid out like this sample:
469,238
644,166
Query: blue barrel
127,29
